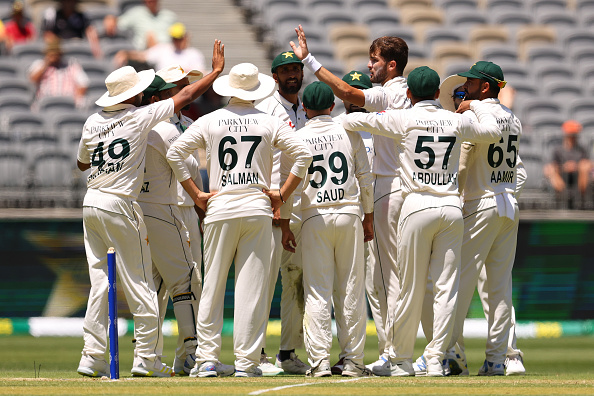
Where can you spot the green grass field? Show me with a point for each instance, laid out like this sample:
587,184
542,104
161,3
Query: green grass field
561,366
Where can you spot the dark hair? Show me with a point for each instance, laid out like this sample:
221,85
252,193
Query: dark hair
391,49
493,88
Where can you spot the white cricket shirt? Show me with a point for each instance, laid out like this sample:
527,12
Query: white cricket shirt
114,143
390,96
494,167
160,185
430,138
239,141
277,106
339,167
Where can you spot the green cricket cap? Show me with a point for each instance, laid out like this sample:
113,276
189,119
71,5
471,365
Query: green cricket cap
284,59
423,82
488,71
158,85
318,96
357,79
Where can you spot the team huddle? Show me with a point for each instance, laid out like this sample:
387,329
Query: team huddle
403,198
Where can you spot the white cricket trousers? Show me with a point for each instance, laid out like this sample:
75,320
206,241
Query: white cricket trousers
429,243
489,241
192,223
126,233
292,305
332,254
246,241
512,348
381,282
173,265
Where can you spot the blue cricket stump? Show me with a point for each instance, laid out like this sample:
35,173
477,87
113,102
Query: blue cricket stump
114,352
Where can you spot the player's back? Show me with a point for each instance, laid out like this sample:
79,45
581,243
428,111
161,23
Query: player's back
493,168
114,142
431,150
159,184
239,142
330,185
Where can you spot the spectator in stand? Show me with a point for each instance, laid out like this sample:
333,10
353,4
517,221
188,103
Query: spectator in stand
66,23
54,76
18,29
164,54
569,168
149,24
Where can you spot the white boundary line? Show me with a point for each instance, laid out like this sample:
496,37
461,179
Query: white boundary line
259,392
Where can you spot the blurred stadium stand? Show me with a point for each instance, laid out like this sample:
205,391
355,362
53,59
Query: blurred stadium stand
545,47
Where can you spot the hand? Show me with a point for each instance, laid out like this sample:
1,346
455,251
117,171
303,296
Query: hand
368,227
202,199
276,218
464,106
302,50
288,240
275,199
218,56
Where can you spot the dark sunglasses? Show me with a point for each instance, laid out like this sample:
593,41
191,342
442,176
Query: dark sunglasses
459,95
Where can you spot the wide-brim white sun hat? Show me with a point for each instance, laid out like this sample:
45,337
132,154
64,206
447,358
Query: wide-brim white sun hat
446,91
245,82
175,73
123,84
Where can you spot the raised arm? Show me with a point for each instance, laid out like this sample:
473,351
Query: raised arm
193,91
340,88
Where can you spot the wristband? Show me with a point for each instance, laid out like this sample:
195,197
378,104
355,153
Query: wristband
281,196
311,63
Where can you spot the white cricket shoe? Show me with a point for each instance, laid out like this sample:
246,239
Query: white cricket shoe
268,369
211,369
420,367
321,370
491,369
251,372
350,369
90,366
514,366
403,368
381,367
150,368
292,365
457,362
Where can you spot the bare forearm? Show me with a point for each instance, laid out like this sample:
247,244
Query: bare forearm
341,89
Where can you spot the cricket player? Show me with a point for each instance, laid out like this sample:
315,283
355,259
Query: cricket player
113,146
430,227
239,142
173,262
388,57
287,71
333,232
360,80
188,210
451,95
491,217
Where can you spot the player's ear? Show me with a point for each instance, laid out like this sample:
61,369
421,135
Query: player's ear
436,96
392,65
485,87
332,107
408,93
275,76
